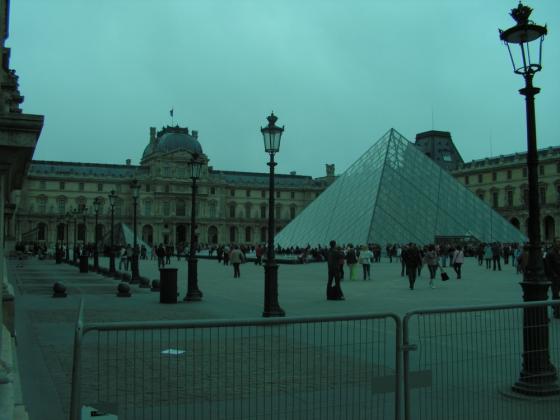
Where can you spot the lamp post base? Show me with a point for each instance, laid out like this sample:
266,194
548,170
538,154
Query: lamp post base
271,305
193,293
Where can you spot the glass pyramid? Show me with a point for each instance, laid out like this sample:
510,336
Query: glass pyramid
395,194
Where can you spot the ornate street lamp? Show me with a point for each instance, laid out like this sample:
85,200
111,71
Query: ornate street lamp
75,213
135,187
112,201
271,135
538,376
96,207
193,292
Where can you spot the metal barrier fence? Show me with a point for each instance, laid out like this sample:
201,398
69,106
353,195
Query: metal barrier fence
339,367
461,363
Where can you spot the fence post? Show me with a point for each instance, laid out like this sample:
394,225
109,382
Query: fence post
75,397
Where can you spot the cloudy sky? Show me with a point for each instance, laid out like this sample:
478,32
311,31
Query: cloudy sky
338,74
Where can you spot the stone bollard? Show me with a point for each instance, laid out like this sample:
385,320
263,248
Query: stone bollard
155,285
144,283
123,290
59,290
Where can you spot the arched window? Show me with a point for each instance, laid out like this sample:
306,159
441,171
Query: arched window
180,207
247,234
41,232
60,232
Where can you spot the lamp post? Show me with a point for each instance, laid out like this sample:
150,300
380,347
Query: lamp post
538,376
193,292
135,187
68,217
75,217
96,207
271,135
112,199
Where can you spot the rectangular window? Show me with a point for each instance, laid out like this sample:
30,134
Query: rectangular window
42,206
81,186
100,187
542,195
166,208
263,194
61,185
510,198
480,178
148,208
541,169
525,196
61,204
293,195
525,172
248,193
494,176
232,211
509,174
42,185
292,212
148,188
263,212
232,192
212,190
495,199
278,194
466,180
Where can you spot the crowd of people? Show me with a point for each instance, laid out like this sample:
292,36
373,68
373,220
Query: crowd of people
342,260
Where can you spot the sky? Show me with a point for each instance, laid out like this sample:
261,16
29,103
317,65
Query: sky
338,74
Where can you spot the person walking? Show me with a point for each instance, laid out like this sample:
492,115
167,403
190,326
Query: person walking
496,254
258,255
351,260
236,258
227,251
412,259
129,254
488,256
365,259
160,252
333,263
432,263
457,261
552,265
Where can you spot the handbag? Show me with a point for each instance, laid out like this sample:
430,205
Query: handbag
444,276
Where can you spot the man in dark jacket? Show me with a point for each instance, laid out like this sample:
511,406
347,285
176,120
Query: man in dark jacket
553,273
333,258
412,260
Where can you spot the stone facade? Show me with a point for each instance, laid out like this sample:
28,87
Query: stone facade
502,182
231,206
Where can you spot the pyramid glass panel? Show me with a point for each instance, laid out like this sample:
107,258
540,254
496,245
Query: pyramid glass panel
394,194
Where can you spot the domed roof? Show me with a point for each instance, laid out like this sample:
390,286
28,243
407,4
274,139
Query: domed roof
171,139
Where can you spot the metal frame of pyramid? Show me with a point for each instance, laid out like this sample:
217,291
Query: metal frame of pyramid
395,194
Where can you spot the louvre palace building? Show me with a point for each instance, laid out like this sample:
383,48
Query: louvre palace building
231,206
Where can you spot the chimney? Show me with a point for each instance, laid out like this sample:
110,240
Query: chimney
195,134
152,135
128,162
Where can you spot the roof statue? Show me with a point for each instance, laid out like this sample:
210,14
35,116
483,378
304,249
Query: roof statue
395,194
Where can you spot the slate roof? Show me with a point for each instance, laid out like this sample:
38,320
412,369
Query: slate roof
256,179
43,167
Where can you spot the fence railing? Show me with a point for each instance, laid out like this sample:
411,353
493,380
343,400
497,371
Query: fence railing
457,363
336,367
466,360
